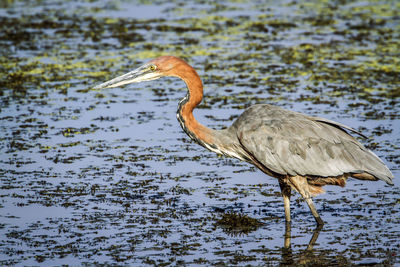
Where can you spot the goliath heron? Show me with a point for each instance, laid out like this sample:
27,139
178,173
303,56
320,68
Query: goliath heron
304,153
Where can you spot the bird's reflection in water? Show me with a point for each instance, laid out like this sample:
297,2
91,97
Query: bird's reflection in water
236,224
287,252
288,236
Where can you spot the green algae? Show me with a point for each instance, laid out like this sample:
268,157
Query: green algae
238,224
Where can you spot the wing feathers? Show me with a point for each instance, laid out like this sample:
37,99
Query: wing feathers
291,143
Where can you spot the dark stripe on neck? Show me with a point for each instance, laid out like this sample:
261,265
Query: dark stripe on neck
181,120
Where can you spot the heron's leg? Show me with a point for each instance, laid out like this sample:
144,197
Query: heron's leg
301,185
314,211
286,190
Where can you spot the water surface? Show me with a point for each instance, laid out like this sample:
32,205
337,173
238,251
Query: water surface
109,177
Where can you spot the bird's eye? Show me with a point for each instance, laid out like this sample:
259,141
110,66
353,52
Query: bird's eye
153,67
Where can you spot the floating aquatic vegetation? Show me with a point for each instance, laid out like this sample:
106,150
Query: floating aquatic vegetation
107,177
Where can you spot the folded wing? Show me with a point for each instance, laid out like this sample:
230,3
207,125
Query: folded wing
291,143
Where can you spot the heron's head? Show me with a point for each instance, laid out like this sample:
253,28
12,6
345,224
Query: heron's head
152,70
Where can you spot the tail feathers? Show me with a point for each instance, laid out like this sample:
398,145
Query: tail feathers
315,184
374,177
375,167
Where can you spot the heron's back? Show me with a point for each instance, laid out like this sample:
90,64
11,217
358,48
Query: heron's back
291,143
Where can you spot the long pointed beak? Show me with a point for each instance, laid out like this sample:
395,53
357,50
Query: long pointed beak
141,74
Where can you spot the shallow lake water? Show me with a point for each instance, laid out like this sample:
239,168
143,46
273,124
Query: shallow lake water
109,177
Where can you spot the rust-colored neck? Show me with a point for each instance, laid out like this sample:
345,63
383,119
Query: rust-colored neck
190,125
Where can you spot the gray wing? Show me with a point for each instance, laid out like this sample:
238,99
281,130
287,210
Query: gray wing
288,142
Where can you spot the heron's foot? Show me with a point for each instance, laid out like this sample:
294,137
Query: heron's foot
288,235
314,211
